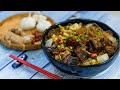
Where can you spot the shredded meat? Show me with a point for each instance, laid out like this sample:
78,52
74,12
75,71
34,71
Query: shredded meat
54,46
70,60
66,53
66,59
71,42
83,55
108,31
92,46
55,52
73,60
110,50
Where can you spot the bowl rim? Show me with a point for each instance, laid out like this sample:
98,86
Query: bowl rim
88,20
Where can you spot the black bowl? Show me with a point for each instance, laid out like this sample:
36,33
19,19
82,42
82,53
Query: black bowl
82,71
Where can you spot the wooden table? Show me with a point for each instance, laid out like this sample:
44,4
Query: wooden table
36,57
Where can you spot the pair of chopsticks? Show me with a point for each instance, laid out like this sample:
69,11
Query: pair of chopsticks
50,75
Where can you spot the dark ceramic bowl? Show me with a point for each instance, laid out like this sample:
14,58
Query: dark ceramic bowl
82,71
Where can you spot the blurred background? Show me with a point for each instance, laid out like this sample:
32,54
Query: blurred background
115,13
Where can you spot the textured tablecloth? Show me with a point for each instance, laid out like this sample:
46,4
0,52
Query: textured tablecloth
58,16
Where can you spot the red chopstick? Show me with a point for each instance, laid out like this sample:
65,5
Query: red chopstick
50,75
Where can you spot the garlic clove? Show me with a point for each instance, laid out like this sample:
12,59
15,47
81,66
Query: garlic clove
49,43
43,25
27,23
39,17
103,57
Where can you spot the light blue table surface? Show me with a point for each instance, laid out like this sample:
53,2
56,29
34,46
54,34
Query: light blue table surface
38,58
